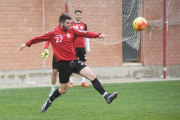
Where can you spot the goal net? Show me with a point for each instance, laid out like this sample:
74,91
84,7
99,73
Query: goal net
173,16
112,17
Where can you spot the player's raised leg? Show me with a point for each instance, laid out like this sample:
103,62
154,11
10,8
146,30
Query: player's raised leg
86,72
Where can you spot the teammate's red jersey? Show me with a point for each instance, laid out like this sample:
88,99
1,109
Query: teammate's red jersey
79,42
62,41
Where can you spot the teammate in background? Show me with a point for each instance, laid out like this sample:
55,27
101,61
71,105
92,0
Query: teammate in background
54,69
62,38
79,44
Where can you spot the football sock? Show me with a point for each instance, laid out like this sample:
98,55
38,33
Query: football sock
54,95
105,95
71,79
53,87
97,85
83,79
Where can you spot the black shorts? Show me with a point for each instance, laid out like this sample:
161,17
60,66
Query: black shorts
81,53
66,68
54,62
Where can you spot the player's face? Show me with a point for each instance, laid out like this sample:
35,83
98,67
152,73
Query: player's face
78,16
67,24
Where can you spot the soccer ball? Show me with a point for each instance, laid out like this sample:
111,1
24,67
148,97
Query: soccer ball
139,24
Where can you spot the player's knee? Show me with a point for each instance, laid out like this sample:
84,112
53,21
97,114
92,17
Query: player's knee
62,91
55,71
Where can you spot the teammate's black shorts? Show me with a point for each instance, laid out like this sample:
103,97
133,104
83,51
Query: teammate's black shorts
66,68
81,53
54,62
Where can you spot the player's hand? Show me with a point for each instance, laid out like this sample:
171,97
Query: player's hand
88,52
102,36
45,54
22,46
45,49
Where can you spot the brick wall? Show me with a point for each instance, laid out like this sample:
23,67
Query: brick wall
21,20
102,55
153,46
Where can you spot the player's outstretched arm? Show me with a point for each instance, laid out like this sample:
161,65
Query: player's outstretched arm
87,34
22,46
41,38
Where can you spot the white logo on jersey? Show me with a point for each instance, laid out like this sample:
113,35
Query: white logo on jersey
59,38
81,27
76,26
81,63
81,31
68,35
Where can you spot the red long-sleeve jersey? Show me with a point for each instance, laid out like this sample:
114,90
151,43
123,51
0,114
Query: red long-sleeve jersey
62,41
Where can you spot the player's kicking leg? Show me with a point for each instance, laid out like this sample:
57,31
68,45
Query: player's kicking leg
86,72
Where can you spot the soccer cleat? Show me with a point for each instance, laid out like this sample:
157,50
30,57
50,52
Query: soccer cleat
84,85
111,97
45,106
71,85
51,92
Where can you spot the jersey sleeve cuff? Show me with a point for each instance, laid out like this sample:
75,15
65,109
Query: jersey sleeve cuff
27,44
98,34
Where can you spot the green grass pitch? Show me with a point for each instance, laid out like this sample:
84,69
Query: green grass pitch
135,101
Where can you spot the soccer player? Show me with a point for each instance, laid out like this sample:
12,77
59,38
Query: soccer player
62,38
79,44
79,48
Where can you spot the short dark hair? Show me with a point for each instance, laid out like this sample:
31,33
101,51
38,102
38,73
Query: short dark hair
77,11
63,17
